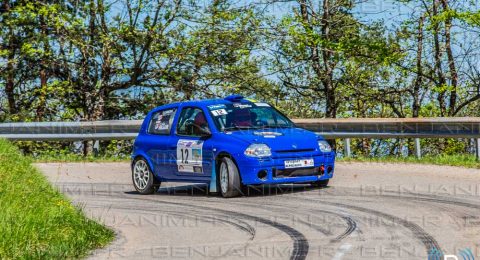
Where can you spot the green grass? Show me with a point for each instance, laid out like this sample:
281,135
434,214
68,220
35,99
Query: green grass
468,161
36,221
452,160
79,158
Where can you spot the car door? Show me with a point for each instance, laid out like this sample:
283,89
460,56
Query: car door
159,141
193,148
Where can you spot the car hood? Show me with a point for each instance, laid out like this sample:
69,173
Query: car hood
283,139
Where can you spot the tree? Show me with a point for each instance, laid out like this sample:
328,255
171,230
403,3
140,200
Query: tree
216,54
317,44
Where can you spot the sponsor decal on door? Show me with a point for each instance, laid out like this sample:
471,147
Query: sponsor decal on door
189,156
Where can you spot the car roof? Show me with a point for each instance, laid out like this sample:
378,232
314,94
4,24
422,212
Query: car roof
206,102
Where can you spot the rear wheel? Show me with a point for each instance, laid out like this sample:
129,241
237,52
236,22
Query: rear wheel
142,177
320,183
229,181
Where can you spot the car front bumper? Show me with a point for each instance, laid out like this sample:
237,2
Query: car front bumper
272,170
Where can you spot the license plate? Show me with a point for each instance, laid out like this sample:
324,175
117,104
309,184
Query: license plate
299,163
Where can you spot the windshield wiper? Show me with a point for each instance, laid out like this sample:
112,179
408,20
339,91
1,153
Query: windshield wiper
275,126
239,128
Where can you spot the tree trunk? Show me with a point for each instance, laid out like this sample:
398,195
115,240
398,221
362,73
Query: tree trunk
418,81
451,61
89,94
43,72
330,102
329,89
438,62
10,82
10,72
322,68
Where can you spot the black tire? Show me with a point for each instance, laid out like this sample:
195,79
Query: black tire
151,183
234,186
320,183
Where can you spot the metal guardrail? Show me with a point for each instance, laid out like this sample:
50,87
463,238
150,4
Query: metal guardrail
71,131
329,128
378,128
466,127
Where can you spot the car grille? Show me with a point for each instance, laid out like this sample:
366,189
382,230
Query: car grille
296,172
295,151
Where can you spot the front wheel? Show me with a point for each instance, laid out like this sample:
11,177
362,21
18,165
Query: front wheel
142,177
320,183
229,179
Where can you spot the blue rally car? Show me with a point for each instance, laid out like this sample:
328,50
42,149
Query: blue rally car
227,143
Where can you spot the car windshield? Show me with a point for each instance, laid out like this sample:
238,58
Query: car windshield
238,116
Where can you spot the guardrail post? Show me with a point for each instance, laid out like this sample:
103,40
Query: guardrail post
477,149
96,148
348,152
418,148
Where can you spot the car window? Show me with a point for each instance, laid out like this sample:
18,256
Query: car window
161,122
192,122
247,115
269,117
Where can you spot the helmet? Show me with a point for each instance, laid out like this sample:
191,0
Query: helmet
200,119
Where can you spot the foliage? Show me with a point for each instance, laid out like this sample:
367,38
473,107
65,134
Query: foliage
105,59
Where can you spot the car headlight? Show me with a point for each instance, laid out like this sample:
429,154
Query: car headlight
258,150
324,146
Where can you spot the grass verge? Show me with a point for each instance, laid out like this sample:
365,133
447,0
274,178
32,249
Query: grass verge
467,161
79,158
37,221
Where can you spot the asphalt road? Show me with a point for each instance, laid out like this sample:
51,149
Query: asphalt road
369,211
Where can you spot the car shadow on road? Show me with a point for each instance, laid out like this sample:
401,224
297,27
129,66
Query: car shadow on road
201,190
279,189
